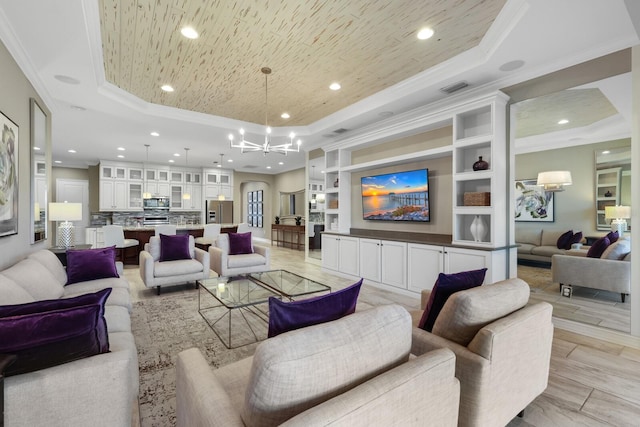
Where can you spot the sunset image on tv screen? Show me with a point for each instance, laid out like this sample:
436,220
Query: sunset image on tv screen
399,196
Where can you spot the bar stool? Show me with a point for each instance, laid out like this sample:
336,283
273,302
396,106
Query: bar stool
166,229
209,236
114,236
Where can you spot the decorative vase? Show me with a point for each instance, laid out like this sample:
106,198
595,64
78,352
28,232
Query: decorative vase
336,183
480,165
298,222
277,220
478,229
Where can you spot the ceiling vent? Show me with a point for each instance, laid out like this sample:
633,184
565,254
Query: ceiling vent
341,130
454,87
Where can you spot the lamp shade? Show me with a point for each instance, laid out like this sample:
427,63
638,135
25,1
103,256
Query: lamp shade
554,180
617,212
65,211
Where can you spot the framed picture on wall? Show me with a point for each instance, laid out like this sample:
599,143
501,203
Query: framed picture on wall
533,204
8,177
260,221
250,209
259,195
250,197
259,208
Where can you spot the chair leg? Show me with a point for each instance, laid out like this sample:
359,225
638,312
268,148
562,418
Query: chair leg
158,290
623,295
521,414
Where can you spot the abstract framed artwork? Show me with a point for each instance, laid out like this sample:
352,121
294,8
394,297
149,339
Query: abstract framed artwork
8,177
533,204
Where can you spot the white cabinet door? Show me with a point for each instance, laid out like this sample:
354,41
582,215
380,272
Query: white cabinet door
194,203
176,202
135,195
370,259
458,259
113,195
393,263
330,252
348,261
424,264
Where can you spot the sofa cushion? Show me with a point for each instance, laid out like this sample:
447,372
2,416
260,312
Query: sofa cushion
445,286
564,240
596,250
525,248
51,332
466,312
174,247
36,279
530,236
577,238
12,293
176,268
223,242
91,264
246,260
52,263
547,251
297,370
240,243
288,316
617,250
550,237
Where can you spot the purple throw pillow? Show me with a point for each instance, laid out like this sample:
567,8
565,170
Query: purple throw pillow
445,286
174,247
597,249
47,333
612,236
240,243
577,238
288,316
564,239
91,264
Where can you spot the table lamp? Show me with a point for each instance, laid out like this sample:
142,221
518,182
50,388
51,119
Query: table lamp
65,212
618,216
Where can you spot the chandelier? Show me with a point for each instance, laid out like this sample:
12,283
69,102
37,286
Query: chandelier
248,146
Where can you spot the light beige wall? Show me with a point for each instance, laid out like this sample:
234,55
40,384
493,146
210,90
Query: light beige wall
440,181
244,182
16,91
574,208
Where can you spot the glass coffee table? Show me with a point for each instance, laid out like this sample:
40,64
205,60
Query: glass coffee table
231,302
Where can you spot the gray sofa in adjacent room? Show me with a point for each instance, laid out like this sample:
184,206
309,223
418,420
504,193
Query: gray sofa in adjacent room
538,244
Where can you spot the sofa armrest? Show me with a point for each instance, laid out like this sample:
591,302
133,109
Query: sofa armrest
95,391
218,260
203,258
146,268
265,251
201,400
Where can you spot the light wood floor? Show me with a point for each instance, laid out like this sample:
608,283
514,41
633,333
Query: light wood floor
591,382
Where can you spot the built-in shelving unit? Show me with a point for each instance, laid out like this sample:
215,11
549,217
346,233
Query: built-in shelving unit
607,193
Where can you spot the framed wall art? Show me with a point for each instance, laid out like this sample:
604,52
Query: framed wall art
533,204
8,177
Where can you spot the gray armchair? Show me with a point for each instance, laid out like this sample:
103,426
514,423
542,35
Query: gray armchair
233,265
156,273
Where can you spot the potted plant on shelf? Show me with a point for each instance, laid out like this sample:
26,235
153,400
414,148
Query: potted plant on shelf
277,220
298,220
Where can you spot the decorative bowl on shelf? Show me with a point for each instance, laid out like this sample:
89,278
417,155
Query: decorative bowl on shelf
480,165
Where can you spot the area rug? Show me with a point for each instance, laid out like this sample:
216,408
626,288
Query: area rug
163,327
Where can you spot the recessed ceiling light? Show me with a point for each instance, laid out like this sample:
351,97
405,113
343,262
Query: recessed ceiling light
176,154
425,33
285,115
172,161
563,122
71,151
120,156
66,79
268,167
281,163
36,148
321,171
155,134
167,88
189,32
335,86
229,160
57,161
606,152
120,148
219,165
511,65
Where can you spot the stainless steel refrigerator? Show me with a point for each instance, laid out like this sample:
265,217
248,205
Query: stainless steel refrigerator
219,212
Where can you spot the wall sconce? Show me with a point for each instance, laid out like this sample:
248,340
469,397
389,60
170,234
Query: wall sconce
554,181
65,212
618,216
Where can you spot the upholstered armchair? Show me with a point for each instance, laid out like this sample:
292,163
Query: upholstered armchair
163,264
502,347
228,262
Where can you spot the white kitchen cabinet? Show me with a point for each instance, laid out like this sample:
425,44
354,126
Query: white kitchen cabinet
94,236
340,253
113,172
113,195
383,261
194,202
176,192
158,188
134,195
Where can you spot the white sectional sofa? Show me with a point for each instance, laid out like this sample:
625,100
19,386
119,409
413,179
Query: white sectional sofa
95,391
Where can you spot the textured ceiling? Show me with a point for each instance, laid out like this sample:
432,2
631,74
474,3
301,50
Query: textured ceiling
581,107
364,45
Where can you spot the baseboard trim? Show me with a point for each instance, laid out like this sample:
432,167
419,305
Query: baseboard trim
598,332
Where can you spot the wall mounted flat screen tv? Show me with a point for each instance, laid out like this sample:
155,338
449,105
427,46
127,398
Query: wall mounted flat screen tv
398,196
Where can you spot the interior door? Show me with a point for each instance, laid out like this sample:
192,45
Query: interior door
75,191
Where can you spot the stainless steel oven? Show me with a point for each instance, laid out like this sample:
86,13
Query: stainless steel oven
156,203
156,219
